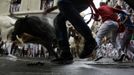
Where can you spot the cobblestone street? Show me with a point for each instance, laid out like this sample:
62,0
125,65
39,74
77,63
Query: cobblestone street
12,66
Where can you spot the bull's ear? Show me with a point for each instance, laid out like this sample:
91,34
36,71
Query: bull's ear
26,16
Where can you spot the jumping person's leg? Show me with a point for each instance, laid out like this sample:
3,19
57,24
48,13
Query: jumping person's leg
72,14
62,37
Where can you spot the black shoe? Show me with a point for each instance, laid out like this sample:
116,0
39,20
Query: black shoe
88,49
64,59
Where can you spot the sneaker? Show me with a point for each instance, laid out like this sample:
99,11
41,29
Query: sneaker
88,49
120,59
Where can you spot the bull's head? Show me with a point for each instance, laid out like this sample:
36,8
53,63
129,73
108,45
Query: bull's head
25,37
19,29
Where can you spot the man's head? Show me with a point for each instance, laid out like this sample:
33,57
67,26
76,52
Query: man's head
118,7
102,3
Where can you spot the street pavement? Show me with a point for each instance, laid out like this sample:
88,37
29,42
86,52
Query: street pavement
105,66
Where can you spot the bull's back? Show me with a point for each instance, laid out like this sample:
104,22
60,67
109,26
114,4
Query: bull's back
43,27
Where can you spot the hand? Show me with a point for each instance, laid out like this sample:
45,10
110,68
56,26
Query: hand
96,17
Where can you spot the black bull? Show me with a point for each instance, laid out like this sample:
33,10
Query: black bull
38,27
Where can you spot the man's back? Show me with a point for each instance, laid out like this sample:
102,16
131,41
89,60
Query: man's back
107,13
125,19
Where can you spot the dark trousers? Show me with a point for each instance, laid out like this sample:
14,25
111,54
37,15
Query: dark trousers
70,11
126,39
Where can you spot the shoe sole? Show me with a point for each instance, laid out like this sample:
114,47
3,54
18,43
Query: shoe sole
98,58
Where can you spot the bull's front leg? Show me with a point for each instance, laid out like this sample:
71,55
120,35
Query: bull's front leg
50,49
4,34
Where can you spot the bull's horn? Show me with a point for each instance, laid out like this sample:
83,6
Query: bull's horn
19,39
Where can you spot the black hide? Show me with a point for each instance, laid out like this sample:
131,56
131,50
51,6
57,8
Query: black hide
38,27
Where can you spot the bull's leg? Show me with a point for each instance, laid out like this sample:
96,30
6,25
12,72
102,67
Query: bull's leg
1,50
12,48
4,35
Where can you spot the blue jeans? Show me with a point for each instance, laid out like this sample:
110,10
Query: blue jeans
70,11
107,28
